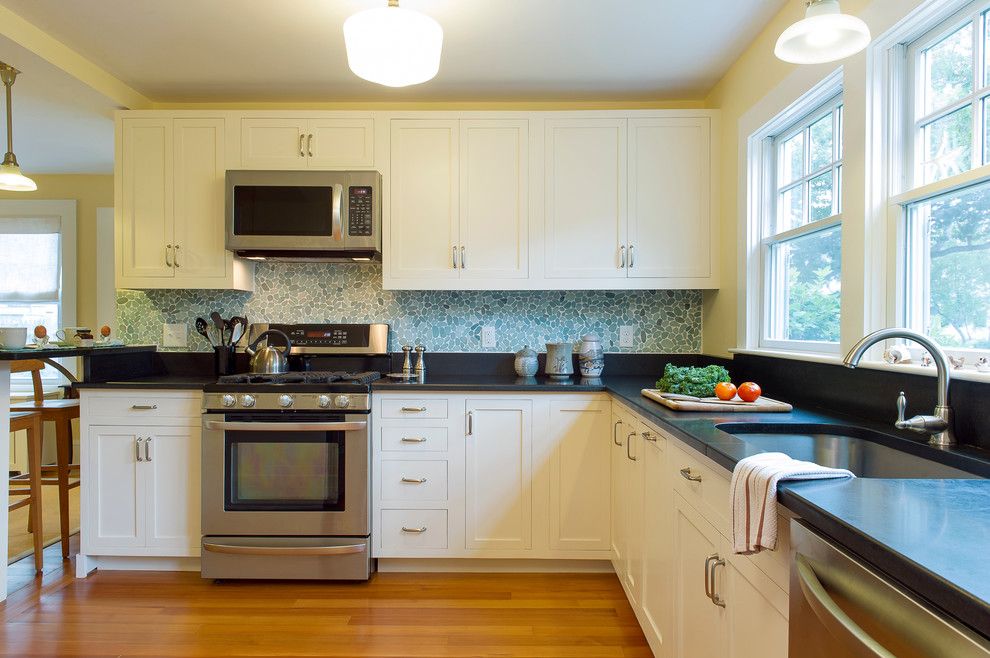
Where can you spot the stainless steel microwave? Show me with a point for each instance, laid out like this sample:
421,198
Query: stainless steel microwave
305,215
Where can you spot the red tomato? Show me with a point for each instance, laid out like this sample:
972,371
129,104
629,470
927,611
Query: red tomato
749,392
725,390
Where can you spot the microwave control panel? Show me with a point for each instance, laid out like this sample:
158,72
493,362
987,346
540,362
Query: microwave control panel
360,212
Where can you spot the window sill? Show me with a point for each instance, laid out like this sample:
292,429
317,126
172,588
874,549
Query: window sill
967,374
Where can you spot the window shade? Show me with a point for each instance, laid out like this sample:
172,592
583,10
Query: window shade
29,259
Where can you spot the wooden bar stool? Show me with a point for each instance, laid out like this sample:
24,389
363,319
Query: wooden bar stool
25,489
61,412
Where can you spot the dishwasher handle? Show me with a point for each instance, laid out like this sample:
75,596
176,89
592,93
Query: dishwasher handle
832,617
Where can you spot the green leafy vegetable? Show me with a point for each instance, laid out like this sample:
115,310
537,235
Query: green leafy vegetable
699,382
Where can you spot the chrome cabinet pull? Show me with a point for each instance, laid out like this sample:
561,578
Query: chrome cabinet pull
137,449
175,258
687,475
302,154
413,439
414,410
632,256
649,436
417,530
615,427
453,256
414,480
168,255
229,549
463,258
147,449
470,423
144,407
622,256
336,223
256,426
716,562
309,145
629,446
708,582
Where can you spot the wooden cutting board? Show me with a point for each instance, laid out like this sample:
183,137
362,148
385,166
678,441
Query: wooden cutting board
689,403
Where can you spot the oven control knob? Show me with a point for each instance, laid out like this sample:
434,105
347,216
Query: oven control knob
323,401
342,401
285,400
228,400
247,400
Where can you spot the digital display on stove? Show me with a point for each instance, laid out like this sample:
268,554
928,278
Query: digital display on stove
327,335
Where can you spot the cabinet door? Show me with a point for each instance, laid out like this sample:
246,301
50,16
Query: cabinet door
424,206
656,589
494,208
699,624
669,198
339,143
580,507
585,198
146,197
115,495
617,448
199,199
757,610
273,143
499,476
172,504
632,509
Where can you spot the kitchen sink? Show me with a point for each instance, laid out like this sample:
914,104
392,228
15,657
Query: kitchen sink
860,450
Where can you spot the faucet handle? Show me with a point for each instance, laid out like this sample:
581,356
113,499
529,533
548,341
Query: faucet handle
901,407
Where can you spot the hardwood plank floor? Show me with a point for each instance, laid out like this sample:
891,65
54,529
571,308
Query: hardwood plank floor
426,614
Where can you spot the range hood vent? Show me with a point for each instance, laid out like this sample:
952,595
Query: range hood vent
315,256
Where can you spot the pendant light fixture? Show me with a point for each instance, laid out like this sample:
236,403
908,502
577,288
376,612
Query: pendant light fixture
392,46
11,178
824,35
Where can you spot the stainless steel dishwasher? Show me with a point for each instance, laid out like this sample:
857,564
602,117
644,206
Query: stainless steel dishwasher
838,608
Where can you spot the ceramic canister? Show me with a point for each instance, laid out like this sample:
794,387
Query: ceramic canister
591,356
526,362
559,360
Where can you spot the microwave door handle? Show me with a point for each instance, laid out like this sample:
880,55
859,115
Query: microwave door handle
249,426
336,227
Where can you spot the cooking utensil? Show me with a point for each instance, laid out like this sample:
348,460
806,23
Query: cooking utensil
238,325
269,360
218,323
203,328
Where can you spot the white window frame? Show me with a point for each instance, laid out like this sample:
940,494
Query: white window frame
762,176
894,80
65,211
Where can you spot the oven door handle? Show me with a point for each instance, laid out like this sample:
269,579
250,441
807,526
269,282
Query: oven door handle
229,549
249,426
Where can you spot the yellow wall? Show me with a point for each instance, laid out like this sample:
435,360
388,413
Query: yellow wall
89,192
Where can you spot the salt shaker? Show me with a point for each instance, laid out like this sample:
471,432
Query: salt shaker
406,362
420,363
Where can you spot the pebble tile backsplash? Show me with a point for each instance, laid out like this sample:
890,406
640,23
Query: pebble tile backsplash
444,321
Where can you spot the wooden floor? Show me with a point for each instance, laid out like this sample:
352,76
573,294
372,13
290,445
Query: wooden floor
179,614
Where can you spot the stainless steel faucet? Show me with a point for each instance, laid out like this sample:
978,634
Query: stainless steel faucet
937,426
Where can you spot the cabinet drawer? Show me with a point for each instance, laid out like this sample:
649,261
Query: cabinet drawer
709,494
411,481
414,528
413,408
414,439
151,407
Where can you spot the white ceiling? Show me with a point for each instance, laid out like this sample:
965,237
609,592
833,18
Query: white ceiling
293,50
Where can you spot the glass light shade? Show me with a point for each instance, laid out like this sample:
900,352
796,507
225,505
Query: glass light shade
824,35
12,180
392,46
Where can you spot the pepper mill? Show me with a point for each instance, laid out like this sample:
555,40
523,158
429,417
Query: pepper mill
420,363
406,362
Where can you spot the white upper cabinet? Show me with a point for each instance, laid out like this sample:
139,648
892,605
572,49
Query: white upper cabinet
199,197
307,143
585,194
144,199
670,232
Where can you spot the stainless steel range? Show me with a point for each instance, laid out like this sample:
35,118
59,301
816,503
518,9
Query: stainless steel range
286,464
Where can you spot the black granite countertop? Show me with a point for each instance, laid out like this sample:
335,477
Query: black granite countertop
62,352
450,382
173,382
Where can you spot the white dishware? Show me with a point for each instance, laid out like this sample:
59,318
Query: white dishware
591,356
13,338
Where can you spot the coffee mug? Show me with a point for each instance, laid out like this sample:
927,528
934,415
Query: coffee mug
13,338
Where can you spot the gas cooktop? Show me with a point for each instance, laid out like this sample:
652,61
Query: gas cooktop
310,377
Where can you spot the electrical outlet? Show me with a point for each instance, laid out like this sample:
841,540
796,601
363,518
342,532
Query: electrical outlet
488,336
627,336
175,335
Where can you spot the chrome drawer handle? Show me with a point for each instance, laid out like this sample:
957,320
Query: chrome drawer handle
414,410
137,449
649,436
414,480
716,562
147,449
686,474
413,439
416,530
144,407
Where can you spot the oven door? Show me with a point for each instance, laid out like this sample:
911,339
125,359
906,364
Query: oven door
271,474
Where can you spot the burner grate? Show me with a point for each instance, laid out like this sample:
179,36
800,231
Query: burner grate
312,377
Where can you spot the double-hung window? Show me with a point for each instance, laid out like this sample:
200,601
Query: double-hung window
800,227
942,207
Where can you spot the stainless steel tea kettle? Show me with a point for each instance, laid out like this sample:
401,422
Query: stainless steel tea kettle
269,360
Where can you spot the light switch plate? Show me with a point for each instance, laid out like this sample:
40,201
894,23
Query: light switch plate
175,335
627,336
488,336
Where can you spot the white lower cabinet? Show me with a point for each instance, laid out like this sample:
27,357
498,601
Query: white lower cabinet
656,578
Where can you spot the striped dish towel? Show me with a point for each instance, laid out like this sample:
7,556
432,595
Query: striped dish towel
754,496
